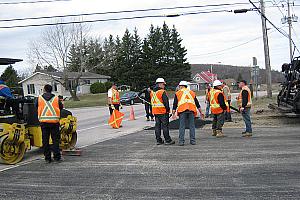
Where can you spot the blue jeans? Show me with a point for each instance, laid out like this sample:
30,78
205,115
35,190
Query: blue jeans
207,109
187,115
247,120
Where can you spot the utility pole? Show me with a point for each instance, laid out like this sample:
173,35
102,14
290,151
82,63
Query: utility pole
266,49
289,19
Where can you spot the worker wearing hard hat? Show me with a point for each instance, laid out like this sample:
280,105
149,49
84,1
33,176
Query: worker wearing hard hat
161,110
186,104
227,94
218,106
244,102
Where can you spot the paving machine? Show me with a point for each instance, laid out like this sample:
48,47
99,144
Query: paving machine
289,96
20,129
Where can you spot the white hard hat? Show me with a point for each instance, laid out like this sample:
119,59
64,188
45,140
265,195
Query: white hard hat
183,83
217,83
160,80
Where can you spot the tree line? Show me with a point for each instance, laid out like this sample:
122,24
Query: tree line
131,60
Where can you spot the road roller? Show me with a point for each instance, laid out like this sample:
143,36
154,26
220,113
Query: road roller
20,129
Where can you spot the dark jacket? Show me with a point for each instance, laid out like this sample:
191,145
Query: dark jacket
147,94
244,98
164,97
48,97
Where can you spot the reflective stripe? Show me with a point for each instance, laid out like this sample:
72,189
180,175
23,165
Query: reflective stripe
155,102
184,99
115,96
48,111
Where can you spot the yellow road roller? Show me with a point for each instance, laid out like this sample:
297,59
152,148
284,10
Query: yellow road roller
20,129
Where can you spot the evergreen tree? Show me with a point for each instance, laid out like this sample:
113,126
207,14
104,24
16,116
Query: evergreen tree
10,77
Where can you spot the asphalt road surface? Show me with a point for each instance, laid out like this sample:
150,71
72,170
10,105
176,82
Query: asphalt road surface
133,167
93,127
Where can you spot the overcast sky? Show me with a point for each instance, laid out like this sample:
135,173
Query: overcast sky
209,38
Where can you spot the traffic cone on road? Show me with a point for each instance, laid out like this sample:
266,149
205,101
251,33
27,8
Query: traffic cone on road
131,116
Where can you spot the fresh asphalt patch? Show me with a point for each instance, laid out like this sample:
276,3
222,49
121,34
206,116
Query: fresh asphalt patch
134,167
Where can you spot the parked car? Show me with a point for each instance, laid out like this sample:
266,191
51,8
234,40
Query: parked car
130,98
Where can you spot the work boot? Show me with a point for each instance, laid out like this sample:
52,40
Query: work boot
48,161
159,142
170,143
220,134
214,132
247,134
147,119
152,119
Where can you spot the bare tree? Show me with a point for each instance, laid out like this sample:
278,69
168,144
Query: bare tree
52,48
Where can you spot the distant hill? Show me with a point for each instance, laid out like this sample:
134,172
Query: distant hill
229,71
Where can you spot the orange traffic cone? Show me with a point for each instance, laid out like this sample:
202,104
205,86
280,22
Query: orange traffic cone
131,117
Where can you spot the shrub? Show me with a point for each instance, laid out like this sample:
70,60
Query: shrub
108,85
98,88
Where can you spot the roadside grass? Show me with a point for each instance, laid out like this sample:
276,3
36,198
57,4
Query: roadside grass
89,100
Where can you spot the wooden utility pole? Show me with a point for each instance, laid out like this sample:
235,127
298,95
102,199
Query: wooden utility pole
266,49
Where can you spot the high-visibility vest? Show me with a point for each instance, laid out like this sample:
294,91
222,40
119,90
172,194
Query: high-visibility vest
115,96
157,102
48,111
240,98
214,102
186,101
227,92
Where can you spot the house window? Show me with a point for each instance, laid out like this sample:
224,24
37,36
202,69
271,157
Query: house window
30,89
87,81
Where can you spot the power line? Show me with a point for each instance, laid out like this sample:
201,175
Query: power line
233,47
31,2
123,11
278,29
111,19
276,4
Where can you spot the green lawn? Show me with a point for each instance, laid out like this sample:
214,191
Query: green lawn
89,100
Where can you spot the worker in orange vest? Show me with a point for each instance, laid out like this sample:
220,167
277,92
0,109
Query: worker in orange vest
113,98
218,106
244,101
186,104
161,110
207,100
49,107
227,94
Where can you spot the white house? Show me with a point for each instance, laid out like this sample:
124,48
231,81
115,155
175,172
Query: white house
34,84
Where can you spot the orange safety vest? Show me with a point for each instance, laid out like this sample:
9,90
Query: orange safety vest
48,111
214,102
186,101
115,96
158,107
240,98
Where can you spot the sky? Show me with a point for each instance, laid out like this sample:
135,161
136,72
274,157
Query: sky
210,38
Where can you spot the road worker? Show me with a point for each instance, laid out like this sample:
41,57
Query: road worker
227,94
49,107
113,98
207,100
218,106
244,101
147,102
161,110
186,104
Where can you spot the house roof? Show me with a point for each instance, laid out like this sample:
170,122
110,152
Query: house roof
71,75
206,76
9,61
